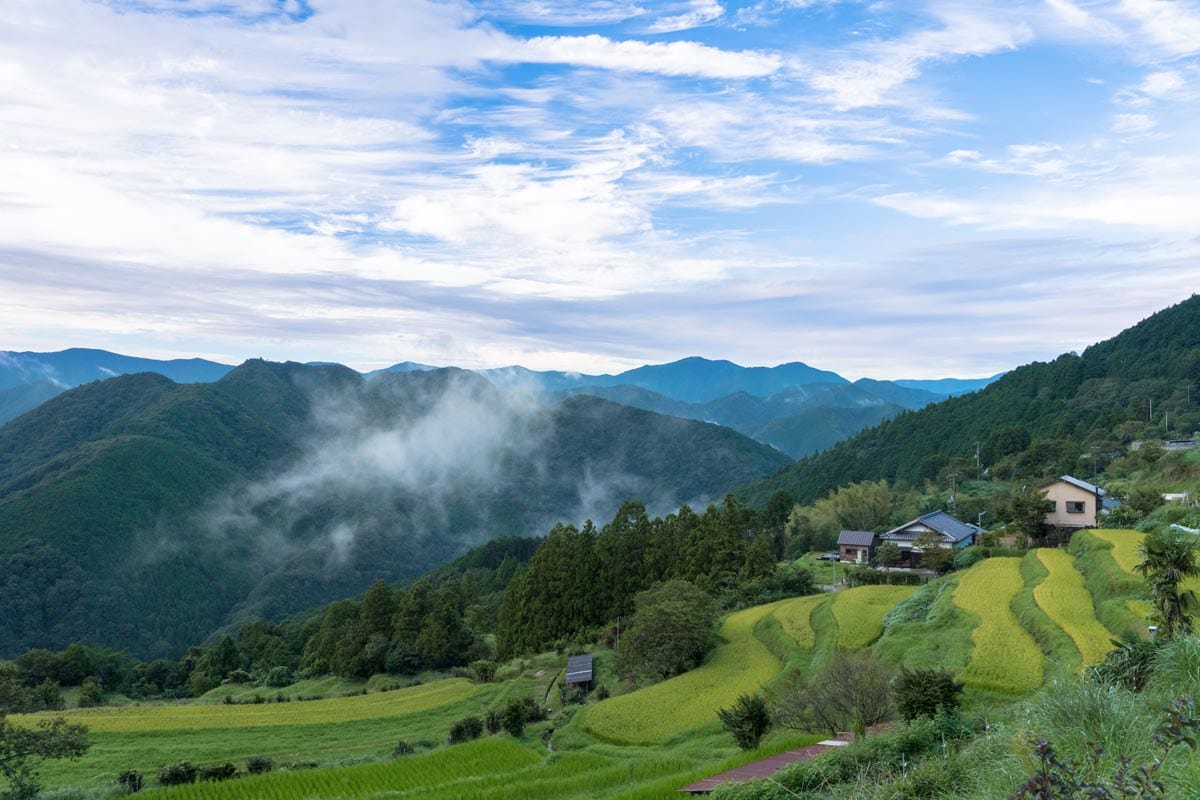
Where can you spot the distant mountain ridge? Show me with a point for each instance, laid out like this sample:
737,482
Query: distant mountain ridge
1075,398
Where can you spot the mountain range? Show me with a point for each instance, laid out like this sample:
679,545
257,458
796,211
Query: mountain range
141,513
793,407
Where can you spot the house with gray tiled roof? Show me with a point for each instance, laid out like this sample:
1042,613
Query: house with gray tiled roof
857,547
1073,503
947,532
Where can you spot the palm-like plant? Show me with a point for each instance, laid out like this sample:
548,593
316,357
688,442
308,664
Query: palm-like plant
1168,559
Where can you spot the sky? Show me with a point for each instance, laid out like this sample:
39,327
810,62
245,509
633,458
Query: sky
883,189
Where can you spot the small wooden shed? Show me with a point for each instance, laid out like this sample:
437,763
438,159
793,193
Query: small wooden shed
579,672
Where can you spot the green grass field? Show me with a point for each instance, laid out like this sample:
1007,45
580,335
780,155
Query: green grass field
859,613
1005,657
741,664
1065,599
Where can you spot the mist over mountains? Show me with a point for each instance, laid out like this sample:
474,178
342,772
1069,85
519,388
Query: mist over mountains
141,513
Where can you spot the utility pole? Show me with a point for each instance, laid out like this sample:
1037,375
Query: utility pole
978,466
953,489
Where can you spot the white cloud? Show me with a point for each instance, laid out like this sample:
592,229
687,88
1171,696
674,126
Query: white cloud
661,58
1132,123
869,74
701,12
1173,26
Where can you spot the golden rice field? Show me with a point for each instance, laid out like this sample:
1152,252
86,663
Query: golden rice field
117,719
795,617
1125,546
1065,599
859,613
741,664
1005,657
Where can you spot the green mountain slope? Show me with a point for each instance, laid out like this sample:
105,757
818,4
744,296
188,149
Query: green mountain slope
1080,397
141,514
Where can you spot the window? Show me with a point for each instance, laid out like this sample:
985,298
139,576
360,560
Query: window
1074,506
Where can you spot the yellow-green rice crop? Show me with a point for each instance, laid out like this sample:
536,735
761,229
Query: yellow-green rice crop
1065,599
123,719
859,613
742,664
1125,553
1141,608
452,770
795,618
1005,657
1124,547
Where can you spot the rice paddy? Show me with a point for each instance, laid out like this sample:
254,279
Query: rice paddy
311,712
795,617
1005,657
1065,599
859,613
742,664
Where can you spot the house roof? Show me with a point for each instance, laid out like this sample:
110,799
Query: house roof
1087,487
954,530
856,538
579,669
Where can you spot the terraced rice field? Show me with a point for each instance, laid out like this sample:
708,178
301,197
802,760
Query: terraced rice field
859,613
456,771
795,617
1125,552
1005,657
1065,599
652,715
312,712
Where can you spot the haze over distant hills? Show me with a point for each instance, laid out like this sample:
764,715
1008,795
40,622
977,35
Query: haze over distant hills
794,407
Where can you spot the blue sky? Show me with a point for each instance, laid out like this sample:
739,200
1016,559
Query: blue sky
882,189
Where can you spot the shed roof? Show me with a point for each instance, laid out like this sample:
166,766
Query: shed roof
856,538
579,669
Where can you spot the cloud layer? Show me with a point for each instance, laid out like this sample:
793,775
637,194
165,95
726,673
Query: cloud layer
595,185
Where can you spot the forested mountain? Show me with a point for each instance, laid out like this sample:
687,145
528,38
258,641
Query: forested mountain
28,379
1142,380
140,513
798,420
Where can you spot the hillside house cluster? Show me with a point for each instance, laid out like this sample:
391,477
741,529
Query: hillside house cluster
938,527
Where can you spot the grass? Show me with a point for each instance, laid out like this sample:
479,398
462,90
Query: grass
1066,600
859,613
741,664
795,617
1111,587
1005,657
1124,546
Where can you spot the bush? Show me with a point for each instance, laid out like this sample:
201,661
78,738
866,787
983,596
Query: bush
403,748
257,765
279,677
748,720
513,717
491,720
130,781
921,692
483,671
217,772
178,774
466,729
602,692
90,693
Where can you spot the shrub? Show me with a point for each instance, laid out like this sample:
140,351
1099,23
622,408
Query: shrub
178,774
466,729
90,693
513,717
484,671
602,692
130,781
279,676
217,772
747,720
491,721
403,748
257,765
921,692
